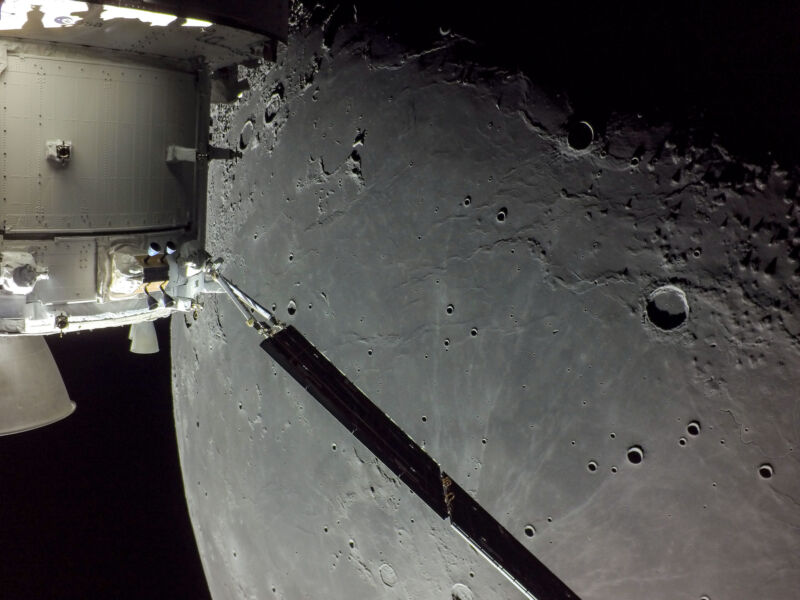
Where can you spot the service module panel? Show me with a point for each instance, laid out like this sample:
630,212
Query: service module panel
84,142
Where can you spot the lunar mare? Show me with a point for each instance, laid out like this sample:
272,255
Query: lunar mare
433,231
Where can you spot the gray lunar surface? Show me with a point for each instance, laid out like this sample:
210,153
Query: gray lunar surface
537,317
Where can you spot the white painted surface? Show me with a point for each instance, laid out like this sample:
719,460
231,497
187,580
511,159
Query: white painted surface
120,119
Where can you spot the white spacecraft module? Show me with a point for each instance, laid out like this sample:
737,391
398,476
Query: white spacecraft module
104,116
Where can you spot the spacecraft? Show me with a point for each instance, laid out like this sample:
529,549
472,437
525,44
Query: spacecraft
104,116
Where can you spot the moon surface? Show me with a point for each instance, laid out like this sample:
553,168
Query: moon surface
595,334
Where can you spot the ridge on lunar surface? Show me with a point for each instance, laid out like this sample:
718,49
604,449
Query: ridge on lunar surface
601,344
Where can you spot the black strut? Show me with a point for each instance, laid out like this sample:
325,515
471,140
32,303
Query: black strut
411,464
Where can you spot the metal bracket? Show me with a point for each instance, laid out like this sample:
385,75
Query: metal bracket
255,315
59,151
62,322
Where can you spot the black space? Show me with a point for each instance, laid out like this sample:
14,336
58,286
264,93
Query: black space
93,506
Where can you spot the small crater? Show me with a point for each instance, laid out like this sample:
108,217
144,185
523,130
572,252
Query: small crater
581,134
667,308
450,309
502,214
246,135
635,455
467,201
274,103
530,531
291,308
461,592
592,466
473,332
388,575
273,106
766,471
682,441
693,428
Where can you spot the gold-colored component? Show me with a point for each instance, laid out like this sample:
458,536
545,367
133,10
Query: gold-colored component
448,495
153,286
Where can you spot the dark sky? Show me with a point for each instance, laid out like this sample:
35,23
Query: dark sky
93,506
